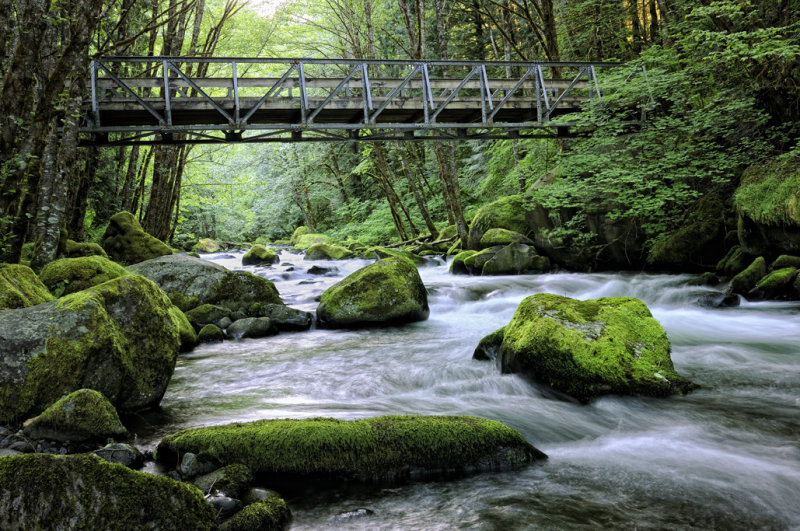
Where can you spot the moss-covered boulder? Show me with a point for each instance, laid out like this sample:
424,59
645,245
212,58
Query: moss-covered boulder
785,260
40,491
489,346
734,262
298,232
210,333
305,241
283,317
271,514
207,314
381,449
20,287
69,275
327,251
390,291
514,259
747,279
73,249
81,415
508,213
205,245
775,285
260,255
457,266
126,242
590,348
120,338
232,480
494,237
251,327
386,252
190,282
475,262
186,331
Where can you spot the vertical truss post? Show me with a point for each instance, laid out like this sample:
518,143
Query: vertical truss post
593,79
367,92
95,106
486,95
303,96
427,96
236,108
167,104
540,75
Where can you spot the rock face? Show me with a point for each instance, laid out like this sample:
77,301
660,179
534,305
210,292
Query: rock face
79,416
127,243
388,291
259,255
339,450
190,282
20,287
120,338
590,348
69,275
326,251
41,491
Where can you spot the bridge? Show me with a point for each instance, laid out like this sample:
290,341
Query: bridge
180,100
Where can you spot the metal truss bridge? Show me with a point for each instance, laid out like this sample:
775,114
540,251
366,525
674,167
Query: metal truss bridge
180,100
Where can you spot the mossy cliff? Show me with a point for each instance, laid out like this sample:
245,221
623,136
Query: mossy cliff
81,415
590,348
126,242
120,338
39,491
388,291
20,287
69,275
380,449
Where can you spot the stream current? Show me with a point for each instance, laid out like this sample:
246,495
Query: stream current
726,456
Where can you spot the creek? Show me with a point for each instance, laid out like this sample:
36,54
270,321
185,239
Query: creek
726,456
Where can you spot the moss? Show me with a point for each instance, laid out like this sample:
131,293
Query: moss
188,336
238,289
590,348
513,259
69,275
298,232
20,287
205,245
455,248
271,514
75,249
494,237
385,252
448,232
387,291
126,242
259,255
40,491
82,414
458,267
506,213
475,262
207,313
306,240
488,346
233,480
747,279
391,448
326,251
785,260
769,193
734,262
210,333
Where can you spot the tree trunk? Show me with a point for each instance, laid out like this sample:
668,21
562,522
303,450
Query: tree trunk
410,177
451,189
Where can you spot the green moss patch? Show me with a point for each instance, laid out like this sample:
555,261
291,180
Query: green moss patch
126,242
494,237
326,251
69,275
20,287
747,279
386,252
75,249
506,213
785,260
391,449
259,255
769,193
306,240
271,514
205,245
81,415
298,232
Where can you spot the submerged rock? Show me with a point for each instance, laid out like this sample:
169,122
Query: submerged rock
590,348
69,275
20,287
41,491
81,415
388,291
259,255
251,327
126,242
271,514
120,338
356,450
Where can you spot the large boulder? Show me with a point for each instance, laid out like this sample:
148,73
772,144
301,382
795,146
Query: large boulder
126,242
73,249
190,282
40,491
205,245
458,266
79,416
69,275
20,287
304,241
259,255
385,292
508,213
120,338
327,251
590,348
514,259
386,252
356,450
494,237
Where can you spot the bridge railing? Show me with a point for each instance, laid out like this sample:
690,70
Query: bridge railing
171,95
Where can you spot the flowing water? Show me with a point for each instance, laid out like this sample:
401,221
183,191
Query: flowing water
726,456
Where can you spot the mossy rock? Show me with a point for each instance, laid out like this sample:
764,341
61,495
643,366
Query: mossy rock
494,237
210,333
514,259
40,491
126,242
20,287
455,248
327,251
381,449
251,327
590,348
120,338
489,346
389,291
775,285
186,331
475,262
205,245
508,213
298,232
207,314
305,241
81,415
734,262
233,480
259,255
69,275
457,266
785,260
747,279
190,282
271,514
385,252
75,249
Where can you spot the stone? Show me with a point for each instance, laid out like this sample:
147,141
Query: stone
775,285
591,348
121,453
457,266
120,338
81,415
20,287
232,480
494,237
126,242
785,260
489,346
205,245
706,279
191,465
719,300
475,262
270,515
7,452
251,327
69,275
299,231
188,336
75,249
747,279
259,494
327,251
225,322
40,491
423,447
385,252
505,213
514,259
207,314
319,270
287,319
190,282
734,262
389,291
210,333
259,255
224,506
304,241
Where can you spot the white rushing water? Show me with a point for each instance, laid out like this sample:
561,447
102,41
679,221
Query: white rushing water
726,456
